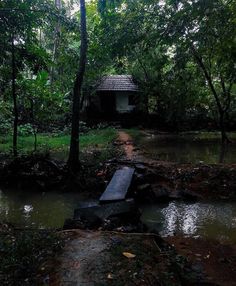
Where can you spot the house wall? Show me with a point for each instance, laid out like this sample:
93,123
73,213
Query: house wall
122,102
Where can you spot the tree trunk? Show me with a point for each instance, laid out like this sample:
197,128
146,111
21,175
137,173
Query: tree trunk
221,110
224,137
14,97
34,125
73,161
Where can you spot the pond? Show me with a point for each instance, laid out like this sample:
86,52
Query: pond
210,220
186,149
38,210
49,210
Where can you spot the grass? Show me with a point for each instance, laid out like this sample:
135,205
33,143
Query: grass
55,142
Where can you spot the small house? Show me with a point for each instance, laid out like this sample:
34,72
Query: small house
117,94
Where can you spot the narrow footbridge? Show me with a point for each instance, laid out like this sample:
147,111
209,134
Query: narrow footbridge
118,187
113,201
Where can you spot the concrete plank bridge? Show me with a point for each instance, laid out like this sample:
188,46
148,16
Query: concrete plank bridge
118,187
112,202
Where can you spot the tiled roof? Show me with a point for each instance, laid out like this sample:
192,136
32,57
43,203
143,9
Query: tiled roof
117,83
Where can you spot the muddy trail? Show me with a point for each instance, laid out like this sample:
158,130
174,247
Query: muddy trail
125,140
112,258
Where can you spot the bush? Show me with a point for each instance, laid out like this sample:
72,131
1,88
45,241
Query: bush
25,129
83,127
5,118
5,126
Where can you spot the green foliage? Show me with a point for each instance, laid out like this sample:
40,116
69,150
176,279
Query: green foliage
25,130
158,42
5,118
159,47
38,100
52,142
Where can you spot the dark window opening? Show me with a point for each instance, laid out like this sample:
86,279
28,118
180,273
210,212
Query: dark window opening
131,99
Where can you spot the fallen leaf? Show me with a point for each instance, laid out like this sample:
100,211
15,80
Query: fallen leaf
109,276
128,254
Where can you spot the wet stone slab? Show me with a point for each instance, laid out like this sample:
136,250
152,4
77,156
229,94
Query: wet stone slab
118,187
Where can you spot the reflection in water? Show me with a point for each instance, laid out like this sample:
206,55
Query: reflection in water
186,150
212,220
49,210
34,209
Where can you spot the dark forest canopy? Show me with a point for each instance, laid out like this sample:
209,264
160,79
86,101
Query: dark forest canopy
181,53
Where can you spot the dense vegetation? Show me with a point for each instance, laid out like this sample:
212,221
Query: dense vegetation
181,53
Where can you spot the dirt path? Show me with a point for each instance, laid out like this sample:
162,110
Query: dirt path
127,142
114,259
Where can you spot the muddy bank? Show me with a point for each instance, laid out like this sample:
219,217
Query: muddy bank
109,258
153,180
217,261
39,172
157,182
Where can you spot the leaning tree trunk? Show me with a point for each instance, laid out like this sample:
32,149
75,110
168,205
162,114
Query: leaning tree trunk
73,161
14,97
221,111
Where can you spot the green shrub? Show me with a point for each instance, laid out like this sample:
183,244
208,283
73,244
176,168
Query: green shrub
5,126
25,129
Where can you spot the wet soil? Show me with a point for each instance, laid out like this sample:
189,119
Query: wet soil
217,261
108,258
178,181
126,140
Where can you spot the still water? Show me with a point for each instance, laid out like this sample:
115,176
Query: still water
37,210
215,220
184,149
49,210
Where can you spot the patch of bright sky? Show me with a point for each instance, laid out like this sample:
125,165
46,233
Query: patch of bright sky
75,6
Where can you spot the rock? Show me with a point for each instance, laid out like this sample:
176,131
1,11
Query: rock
197,267
144,187
161,194
175,195
140,168
139,178
79,224
108,216
189,195
151,176
143,193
